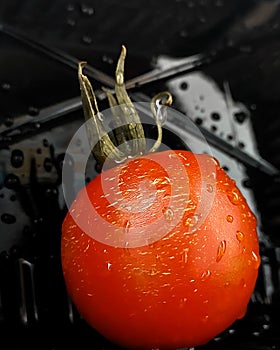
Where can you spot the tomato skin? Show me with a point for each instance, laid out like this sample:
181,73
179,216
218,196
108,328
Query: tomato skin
179,290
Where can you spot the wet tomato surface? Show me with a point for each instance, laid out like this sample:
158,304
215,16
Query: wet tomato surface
161,251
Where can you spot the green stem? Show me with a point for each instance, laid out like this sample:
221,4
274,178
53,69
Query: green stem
129,133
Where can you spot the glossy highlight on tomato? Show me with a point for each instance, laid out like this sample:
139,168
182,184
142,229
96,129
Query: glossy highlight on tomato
161,251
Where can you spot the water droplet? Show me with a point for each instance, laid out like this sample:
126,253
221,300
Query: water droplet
5,86
205,275
243,283
240,236
13,198
168,214
233,196
48,164
12,181
240,116
87,10
33,111
87,39
71,22
185,255
191,205
51,192
256,259
215,116
184,34
109,266
8,218
209,188
205,318
70,7
221,250
184,85
17,158
230,218
107,59
161,115
172,155
126,227
191,220
119,79
8,121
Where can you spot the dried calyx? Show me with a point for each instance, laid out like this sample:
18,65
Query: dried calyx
128,133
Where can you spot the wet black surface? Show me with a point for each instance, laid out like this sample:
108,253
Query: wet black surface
240,41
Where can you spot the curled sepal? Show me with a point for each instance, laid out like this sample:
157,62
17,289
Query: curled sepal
120,128
127,138
130,114
100,142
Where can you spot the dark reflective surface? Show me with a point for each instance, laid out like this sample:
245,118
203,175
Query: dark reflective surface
238,42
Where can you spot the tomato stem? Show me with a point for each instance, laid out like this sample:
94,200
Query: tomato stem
129,133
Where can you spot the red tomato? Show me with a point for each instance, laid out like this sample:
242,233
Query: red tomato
161,251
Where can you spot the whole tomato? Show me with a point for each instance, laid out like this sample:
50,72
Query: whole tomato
191,282
160,251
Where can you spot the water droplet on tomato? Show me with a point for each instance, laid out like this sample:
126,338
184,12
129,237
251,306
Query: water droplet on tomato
205,318
168,214
172,155
190,205
221,250
205,275
233,196
230,218
240,236
243,283
185,255
209,188
183,156
126,226
255,259
109,266
191,220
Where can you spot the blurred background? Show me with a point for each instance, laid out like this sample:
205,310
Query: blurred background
221,61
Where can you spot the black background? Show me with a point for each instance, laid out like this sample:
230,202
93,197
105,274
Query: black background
243,50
